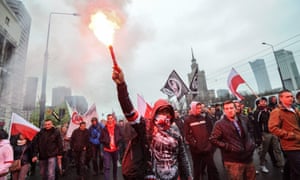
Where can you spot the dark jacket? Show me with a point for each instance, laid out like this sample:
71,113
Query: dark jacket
261,115
26,150
197,128
167,141
47,144
105,139
136,156
234,148
197,131
79,140
256,131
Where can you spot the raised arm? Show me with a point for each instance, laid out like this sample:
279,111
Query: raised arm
130,113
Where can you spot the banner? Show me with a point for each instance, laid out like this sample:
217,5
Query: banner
234,80
20,125
175,86
76,118
143,107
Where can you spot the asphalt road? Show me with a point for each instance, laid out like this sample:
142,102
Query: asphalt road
274,173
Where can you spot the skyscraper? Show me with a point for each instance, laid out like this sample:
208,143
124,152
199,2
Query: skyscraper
288,68
59,94
197,81
30,94
14,35
261,75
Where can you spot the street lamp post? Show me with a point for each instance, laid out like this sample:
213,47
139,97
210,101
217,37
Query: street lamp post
277,63
45,68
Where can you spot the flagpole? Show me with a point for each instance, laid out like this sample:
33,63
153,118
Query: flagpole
9,135
251,90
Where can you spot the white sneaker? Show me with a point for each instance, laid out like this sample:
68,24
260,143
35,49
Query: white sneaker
264,169
256,172
119,164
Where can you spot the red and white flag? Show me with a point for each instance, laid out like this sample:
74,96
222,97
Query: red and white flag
233,81
76,119
20,125
143,107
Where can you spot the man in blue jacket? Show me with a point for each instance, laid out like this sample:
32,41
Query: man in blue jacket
95,132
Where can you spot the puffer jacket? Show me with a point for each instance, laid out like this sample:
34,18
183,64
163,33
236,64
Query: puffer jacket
284,123
6,156
234,148
95,133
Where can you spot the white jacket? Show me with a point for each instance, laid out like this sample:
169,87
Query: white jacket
6,155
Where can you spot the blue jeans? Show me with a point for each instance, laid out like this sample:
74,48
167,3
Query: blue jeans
293,158
108,157
47,168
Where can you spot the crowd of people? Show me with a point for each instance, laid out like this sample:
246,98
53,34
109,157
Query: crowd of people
158,147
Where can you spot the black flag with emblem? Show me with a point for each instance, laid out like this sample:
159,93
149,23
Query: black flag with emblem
175,86
194,81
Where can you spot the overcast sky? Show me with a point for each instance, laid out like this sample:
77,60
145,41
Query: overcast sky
155,38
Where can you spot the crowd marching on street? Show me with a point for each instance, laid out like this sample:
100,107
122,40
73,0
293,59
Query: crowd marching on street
157,147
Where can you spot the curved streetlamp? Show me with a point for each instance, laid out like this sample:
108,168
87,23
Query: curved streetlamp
277,63
45,68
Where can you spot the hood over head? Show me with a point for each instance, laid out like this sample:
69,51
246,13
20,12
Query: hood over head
160,105
193,107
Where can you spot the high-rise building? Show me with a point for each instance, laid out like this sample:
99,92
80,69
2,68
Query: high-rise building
197,82
30,94
14,34
59,94
222,93
288,68
261,75
78,102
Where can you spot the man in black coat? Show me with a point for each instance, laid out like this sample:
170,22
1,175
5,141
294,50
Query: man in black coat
80,144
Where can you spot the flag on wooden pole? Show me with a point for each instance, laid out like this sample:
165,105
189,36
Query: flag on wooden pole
233,81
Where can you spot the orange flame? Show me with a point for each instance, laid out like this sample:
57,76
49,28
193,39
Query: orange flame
104,24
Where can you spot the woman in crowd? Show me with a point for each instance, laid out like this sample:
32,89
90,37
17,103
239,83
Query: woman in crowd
22,151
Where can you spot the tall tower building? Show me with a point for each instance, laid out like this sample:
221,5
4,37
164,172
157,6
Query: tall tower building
30,94
197,81
59,94
222,93
78,102
14,34
261,75
288,68
20,54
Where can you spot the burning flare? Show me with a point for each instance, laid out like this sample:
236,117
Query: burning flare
104,24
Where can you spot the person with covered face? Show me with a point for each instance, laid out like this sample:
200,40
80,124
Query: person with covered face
168,157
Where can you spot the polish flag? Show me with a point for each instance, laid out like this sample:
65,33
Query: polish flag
233,81
20,125
143,107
